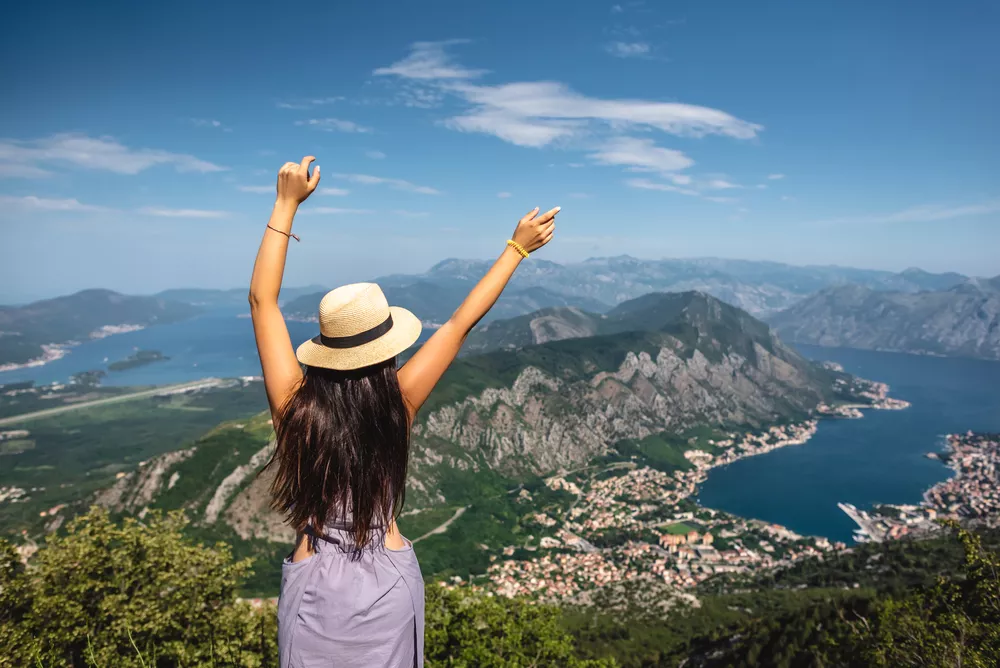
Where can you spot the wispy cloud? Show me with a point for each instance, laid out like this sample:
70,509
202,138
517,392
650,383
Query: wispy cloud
335,211
375,155
928,213
503,195
430,60
579,196
22,171
775,177
309,104
258,189
398,184
209,123
100,153
334,192
628,49
182,213
640,155
334,125
646,184
33,203
411,214
539,113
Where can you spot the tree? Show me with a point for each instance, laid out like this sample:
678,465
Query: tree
135,594
465,629
954,623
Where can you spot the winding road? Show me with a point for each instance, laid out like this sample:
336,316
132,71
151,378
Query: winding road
441,528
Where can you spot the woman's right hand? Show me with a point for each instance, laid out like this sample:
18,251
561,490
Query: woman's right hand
294,182
534,231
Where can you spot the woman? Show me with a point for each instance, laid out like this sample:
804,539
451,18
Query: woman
351,591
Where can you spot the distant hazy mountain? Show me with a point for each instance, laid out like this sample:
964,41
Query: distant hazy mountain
435,302
757,287
25,329
234,297
962,320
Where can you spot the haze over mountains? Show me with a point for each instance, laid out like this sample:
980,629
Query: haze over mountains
961,320
595,286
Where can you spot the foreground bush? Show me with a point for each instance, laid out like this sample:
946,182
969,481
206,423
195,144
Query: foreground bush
135,594
141,594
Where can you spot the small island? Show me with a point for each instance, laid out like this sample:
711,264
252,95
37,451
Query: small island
140,358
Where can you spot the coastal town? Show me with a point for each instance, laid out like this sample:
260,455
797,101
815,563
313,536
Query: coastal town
972,494
632,521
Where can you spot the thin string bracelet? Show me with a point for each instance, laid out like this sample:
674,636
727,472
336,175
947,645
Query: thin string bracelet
287,234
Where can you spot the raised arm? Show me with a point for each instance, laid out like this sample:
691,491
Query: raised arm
277,357
423,371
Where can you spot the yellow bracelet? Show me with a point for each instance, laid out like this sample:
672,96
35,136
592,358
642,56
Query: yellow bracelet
518,247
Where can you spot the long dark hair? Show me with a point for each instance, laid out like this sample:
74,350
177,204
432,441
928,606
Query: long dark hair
343,442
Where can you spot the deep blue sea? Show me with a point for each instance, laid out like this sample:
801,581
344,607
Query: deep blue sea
219,344
879,459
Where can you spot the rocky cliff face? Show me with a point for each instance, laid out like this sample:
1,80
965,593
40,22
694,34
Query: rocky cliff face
963,320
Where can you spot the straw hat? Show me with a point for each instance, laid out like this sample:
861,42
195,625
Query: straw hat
358,328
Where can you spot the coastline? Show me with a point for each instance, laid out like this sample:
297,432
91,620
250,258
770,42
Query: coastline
56,351
50,353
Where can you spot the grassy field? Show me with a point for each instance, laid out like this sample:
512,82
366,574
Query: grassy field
678,529
77,453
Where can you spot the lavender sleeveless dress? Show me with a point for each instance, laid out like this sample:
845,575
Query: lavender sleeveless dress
336,609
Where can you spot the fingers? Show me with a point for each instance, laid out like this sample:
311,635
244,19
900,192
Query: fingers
285,167
528,216
314,179
547,216
306,161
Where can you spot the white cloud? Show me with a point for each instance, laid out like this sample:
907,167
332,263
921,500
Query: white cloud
182,213
646,184
308,104
918,214
102,153
579,196
375,155
503,195
209,123
398,184
334,211
628,49
775,177
539,113
718,184
21,171
33,203
761,186
534,133
554,105
258,189
334,192
334,125
640,155
616,9
429,60
411,214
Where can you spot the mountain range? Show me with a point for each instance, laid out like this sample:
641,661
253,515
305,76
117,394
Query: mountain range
663,362
961,320
597,284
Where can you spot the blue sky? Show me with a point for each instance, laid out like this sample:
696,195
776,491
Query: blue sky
139,141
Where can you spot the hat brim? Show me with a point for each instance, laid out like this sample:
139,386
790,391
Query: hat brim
404,333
